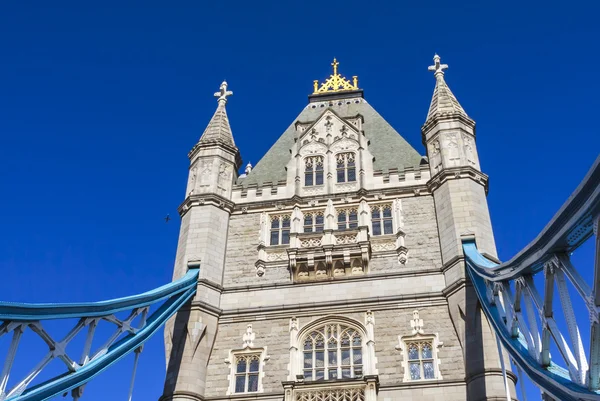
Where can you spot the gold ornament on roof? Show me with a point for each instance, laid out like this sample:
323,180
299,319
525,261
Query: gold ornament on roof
336,82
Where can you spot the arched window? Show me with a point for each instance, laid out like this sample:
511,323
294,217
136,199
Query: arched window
280,230
246,373
314,222
347,218
332,351
420,360
381,220
346,167
313,171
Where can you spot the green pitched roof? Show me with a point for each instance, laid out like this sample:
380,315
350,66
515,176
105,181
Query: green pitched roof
388,148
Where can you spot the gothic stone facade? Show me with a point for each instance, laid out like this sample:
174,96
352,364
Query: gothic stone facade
333,270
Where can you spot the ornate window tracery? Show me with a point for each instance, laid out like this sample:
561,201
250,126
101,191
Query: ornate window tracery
420,352
420,360
314,222
280,230
382,220
347,218
247,370
346,167
332,351
246,366
313,171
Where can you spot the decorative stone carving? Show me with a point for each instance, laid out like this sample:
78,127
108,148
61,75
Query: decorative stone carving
313,148
224,179
451,144
273,257
416,323
383,246
316,190
436,156
248,337
345,239
310,242
346,187
344,144
469,150
339,394
260,268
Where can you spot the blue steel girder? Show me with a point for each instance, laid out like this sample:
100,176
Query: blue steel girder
514,313
18,317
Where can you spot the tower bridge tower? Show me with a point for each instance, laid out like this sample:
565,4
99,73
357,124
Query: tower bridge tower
333,270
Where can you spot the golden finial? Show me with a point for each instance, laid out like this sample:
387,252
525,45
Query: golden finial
335,82
335,65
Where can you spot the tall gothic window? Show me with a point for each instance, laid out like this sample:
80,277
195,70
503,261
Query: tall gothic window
347,218
420,360
346,167
313,171
246,373
314,222
280,230
381,220
333,351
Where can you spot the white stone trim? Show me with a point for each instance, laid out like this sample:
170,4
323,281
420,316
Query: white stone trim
297,336
418,334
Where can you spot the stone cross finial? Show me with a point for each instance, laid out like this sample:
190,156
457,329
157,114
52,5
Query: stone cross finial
223,92
437,68
416,323
249,337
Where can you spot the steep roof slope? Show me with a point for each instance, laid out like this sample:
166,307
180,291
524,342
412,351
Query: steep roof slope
388,148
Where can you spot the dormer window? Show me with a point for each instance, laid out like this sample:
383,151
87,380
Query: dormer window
347,218
313,171
314,222
346,167
280,230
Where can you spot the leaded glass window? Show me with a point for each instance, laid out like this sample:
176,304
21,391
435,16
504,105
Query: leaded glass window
346,167
347,218
381,220
420,360
333,351
247,369
313,171
314,222
280,230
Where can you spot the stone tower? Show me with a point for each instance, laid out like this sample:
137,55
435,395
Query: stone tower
333,270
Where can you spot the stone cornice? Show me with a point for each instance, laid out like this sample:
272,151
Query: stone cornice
456,173
338,280
431,123
233,150
454,287
391,302
205,199
370,195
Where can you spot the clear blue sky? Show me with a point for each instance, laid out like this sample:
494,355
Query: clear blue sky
99,105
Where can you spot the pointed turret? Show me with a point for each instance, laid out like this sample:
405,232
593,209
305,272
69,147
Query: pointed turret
448,132
443,102
218,129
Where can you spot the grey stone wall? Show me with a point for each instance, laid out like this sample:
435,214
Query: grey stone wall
389,324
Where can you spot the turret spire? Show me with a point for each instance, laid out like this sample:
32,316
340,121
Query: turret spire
443,102
218,129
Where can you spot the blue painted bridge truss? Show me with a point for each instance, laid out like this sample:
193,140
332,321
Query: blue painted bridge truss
128,337
524,314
